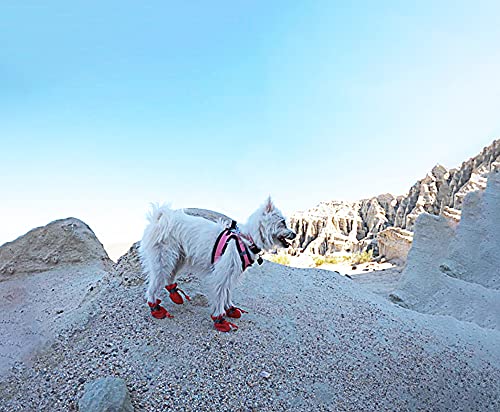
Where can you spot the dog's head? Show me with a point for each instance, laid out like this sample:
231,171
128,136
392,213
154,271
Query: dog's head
272,227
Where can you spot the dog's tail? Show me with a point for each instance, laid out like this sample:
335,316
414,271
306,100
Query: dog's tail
158,212
159,218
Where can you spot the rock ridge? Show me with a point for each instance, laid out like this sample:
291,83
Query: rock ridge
342,226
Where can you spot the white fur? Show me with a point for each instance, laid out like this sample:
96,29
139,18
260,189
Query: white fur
174,240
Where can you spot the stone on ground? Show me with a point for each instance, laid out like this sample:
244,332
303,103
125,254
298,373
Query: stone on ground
106,395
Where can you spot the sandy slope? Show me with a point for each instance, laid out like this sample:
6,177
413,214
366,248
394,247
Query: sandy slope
313,340
34,310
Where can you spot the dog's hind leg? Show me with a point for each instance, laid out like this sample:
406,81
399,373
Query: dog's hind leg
229,300
231,310
172,289
226,272
159,262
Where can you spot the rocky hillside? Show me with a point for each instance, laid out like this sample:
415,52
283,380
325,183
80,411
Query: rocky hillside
336,226
313,340
77,334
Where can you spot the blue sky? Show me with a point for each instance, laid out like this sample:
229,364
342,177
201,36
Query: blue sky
107,106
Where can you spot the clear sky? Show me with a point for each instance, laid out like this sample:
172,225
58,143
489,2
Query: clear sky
106,106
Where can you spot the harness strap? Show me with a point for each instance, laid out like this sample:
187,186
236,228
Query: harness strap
253,247
232,234
246,260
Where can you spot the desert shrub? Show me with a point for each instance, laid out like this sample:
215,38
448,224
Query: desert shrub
319,260
354,259
362,257
336,259
281,259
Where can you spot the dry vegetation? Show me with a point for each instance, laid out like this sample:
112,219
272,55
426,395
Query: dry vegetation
353,259
281,259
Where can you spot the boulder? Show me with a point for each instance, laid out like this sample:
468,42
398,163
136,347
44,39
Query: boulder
107,394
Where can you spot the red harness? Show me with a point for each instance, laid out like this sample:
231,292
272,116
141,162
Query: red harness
223,240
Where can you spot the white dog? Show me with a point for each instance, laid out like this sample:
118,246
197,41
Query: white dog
174,240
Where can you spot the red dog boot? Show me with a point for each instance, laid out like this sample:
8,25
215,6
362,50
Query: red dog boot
222,325
175,295
159,312
234,312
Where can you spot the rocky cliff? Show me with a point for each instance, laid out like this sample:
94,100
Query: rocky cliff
454,269
337,226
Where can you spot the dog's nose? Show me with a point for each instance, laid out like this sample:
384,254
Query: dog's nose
291,235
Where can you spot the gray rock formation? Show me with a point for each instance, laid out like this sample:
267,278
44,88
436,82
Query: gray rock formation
474,252
106,395
350,226
339,226
455,269
395,243
62,242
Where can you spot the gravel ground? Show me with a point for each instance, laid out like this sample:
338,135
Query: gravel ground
313,341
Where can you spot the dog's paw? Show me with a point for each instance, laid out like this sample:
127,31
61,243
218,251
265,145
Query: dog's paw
174,294
222,325
234,312
157,311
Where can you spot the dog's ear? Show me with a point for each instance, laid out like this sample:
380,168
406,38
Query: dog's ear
269,205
